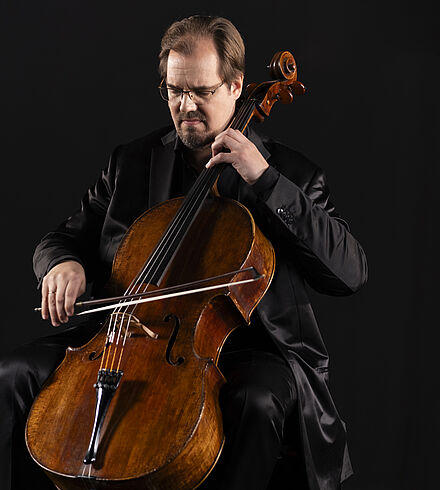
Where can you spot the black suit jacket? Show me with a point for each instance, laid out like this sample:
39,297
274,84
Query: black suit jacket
290,203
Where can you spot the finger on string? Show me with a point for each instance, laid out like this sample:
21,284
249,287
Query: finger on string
236,135
221,158
232,133
220,148
240,137
225,141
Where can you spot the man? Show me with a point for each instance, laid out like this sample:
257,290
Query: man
277,368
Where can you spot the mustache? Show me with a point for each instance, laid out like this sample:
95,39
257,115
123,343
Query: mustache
191,115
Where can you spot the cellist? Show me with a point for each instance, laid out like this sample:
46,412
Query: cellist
277,368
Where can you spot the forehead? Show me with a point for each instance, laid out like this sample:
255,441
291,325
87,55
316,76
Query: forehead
199,69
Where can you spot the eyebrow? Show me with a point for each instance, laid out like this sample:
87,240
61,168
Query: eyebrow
201,87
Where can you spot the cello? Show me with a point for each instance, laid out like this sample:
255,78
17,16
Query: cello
137,407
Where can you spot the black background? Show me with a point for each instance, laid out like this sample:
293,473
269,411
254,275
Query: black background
79,77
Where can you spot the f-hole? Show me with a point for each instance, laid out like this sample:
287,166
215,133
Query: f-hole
94,355
179,359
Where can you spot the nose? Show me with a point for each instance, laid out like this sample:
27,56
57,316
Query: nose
187,104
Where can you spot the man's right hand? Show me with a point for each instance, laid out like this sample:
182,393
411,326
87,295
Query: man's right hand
61,287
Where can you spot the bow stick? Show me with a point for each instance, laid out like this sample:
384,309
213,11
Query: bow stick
164,293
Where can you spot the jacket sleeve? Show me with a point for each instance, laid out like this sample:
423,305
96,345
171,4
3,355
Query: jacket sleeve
304,224
78,237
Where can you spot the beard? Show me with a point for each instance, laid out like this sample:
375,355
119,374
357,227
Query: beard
194,138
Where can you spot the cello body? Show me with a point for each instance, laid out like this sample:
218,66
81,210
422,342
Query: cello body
163,427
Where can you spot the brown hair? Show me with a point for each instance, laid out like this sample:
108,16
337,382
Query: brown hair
182,35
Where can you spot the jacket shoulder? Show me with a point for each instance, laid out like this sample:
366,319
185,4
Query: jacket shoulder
289,161
144,144
135,155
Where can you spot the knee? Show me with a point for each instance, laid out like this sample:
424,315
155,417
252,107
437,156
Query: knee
264,404
10,366
16,378
259,405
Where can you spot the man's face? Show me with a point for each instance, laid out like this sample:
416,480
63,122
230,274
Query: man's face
198,125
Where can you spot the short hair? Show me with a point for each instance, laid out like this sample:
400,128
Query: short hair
182,35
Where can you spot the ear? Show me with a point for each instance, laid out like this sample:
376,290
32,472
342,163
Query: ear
237,87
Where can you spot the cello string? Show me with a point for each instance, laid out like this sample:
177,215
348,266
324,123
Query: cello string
111,332
241,117
152,265
176,226
122,348
118,324
109,340
141,278
121,320
169,232
160,249
155,261
107,345
118,338
178,223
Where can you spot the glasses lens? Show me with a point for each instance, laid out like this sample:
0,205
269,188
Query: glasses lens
200,98
163,92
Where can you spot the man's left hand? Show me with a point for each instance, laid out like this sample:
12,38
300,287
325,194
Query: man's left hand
243,155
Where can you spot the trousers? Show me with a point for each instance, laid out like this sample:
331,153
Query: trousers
256,401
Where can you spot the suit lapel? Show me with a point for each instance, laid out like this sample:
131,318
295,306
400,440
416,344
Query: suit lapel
161,170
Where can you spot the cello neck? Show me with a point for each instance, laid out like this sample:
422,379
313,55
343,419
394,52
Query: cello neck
157,264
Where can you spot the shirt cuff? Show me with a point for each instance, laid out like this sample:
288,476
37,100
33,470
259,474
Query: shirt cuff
264,185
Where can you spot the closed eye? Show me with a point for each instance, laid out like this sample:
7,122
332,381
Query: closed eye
174,91
202,93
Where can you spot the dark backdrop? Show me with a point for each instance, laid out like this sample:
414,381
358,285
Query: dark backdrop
80,77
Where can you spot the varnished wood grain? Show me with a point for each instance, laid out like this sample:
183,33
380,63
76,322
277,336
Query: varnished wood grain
163,429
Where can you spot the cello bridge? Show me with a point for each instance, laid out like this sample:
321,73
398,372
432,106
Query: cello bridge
133,322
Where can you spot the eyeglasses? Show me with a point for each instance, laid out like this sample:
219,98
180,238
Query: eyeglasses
174,94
